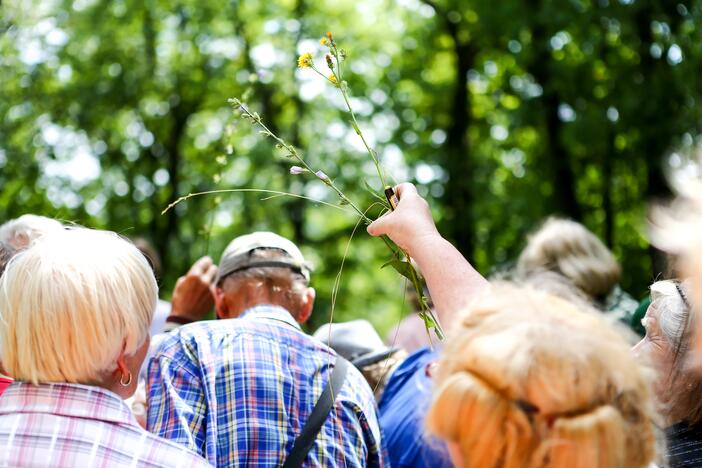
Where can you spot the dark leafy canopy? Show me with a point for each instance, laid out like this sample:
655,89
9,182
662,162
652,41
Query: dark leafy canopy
505,112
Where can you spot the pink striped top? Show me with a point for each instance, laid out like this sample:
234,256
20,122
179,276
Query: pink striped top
57,425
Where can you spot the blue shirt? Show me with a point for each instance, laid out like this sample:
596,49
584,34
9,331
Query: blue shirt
403,408
239,391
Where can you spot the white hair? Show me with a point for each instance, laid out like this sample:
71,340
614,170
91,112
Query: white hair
71,303
680,401
20,232
673,310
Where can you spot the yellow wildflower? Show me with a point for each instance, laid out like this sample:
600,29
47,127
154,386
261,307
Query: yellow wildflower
305,60
333,79
323,41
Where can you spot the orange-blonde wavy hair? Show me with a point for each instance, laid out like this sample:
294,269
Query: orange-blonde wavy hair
530,380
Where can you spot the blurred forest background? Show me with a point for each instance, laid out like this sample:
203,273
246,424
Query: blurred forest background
504,112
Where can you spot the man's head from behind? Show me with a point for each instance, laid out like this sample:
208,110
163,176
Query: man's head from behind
263,268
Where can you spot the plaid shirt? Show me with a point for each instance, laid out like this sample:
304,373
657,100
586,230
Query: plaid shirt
60,425
239,391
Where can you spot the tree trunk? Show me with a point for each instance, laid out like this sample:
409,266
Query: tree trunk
180,118
607,170
459,194
564,198
295,207
651,134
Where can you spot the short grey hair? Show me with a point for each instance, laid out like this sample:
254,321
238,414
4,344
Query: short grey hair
71,303
20,232
285,284
674,311
676,322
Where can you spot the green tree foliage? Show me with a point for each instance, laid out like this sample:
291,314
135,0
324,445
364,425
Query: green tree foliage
504,112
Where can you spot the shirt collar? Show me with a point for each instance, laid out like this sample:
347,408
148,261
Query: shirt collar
270,312
66,399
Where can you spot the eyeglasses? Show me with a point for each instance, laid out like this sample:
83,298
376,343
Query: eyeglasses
683,296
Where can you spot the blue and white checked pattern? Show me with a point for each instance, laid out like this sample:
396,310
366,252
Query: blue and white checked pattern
62,425
239,391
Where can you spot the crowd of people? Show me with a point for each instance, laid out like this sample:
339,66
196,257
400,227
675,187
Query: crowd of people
539,369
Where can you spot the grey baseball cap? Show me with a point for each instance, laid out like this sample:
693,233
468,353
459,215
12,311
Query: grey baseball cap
237,256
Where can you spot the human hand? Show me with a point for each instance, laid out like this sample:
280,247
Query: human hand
409,223
192,297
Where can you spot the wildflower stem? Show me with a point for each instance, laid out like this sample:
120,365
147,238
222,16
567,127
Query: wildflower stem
274,193
322,75
335,51
425,312
360,134
401,261
337,280
342,87
293,152
344,93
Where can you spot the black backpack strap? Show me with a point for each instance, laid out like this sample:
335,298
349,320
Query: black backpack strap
303,442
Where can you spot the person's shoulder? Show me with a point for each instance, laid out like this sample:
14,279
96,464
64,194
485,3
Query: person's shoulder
184,340
417,360
357,388
205,337
412,369
201,328
168,453
289,337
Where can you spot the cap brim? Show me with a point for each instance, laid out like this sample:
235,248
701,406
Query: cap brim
373,358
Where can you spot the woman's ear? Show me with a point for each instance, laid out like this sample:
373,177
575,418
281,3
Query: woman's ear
121,375
122,368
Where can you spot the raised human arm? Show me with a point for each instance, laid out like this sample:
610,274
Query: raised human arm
451,279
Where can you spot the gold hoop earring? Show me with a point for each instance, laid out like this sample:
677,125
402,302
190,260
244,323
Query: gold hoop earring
128,382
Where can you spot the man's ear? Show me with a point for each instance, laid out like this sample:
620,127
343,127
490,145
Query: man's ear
307,305
221,308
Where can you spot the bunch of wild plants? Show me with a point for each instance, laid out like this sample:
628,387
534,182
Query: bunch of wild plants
335,59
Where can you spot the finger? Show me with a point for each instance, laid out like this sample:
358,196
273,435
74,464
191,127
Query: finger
201,266
210,274
179,281
405,188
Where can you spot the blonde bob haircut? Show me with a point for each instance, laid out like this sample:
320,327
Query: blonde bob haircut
530,380
569,248
71,303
